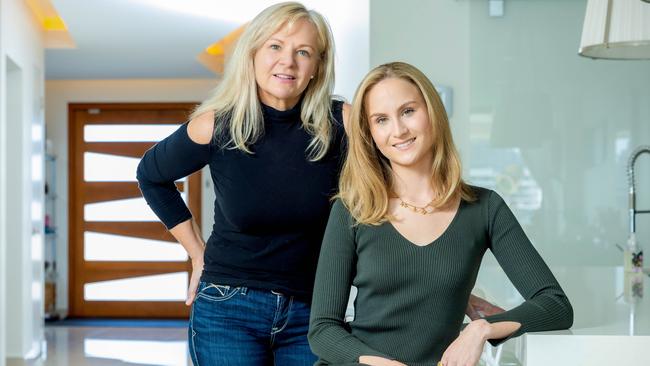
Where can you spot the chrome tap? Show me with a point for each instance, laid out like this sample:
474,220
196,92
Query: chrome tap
630,177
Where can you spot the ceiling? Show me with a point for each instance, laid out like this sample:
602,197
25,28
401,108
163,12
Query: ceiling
124,39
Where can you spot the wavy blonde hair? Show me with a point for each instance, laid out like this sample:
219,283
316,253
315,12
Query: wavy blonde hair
237,109
366,182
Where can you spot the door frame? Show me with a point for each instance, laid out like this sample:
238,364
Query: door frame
78,307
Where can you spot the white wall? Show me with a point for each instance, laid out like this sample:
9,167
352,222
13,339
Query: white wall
433,36
3,200
59,93
349,21
21,119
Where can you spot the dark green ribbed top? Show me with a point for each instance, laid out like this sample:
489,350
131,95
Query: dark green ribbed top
412,299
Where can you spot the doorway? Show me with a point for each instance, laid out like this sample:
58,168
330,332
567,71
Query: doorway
122,260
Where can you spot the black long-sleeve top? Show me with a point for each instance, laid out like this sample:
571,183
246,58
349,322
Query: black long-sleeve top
271,207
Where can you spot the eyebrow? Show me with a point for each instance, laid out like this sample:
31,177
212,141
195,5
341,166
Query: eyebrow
400,107
299,46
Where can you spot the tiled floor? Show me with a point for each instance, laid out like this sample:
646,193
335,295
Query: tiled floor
100,346
80,346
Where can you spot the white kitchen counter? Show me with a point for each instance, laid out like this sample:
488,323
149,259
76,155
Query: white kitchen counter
611,324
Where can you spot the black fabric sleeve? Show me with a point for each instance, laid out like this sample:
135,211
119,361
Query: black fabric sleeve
173,158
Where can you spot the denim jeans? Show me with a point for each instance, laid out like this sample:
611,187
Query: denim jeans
242,326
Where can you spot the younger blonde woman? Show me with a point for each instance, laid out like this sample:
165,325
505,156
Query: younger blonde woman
410,234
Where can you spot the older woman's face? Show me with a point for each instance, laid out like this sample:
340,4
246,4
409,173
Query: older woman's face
285,64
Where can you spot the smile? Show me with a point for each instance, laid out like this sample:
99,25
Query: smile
405,144
284,76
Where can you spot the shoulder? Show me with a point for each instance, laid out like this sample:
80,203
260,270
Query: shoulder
481,193
489,202
340,210
347,108
201,128
340,111
484,198
341,217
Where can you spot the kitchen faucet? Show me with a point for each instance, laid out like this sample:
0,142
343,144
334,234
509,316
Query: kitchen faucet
630,176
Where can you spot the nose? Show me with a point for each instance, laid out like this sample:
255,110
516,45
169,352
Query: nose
287,57
399,128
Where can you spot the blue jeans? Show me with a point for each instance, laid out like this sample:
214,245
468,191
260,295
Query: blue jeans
241,326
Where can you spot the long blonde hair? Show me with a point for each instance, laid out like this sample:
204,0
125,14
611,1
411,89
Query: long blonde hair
237,109
366,182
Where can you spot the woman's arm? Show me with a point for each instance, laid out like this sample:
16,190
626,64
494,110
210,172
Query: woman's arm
182,153
328,336
546,306
188,235
175,157
467,348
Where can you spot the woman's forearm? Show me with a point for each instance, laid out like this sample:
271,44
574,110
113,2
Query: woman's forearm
496,330
188,235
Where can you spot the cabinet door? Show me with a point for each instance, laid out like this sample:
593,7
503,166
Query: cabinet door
123,262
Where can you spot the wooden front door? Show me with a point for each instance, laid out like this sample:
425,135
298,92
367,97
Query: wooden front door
122,260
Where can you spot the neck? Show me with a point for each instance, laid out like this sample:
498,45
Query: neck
277,103
413,184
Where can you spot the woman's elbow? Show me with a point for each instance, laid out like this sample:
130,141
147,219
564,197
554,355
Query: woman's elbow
141,173
314,337
567,319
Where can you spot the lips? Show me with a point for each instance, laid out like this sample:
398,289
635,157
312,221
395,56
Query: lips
285,76
404,144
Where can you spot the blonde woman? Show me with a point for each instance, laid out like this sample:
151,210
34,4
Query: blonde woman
410,235
273,138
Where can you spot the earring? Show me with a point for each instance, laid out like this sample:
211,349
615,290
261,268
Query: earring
312,76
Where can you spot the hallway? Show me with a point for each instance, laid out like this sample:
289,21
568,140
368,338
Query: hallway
86,346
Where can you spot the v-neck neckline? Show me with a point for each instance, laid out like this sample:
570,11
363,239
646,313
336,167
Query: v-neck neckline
436,239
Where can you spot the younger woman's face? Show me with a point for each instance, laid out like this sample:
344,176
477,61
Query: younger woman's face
399,123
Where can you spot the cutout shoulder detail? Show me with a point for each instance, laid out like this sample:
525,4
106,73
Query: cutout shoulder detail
201,128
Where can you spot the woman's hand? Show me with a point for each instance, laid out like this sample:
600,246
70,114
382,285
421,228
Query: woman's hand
466,350
197,270
478,308
378,361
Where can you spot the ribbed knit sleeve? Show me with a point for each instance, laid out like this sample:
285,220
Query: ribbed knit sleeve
546,307
328,335
175,157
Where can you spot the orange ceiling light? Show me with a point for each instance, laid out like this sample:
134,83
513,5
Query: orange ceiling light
55,32
215,56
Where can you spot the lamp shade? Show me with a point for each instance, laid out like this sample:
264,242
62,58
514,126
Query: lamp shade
616,29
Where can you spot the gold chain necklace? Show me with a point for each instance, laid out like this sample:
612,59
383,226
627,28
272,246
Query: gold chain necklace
424,210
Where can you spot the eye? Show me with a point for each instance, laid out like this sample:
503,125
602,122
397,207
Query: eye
408,111
304,53
381,120
274,46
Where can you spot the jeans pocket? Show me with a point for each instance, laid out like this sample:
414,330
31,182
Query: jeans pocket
215,292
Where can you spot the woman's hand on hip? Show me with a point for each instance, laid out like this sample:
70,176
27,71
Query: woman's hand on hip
197,270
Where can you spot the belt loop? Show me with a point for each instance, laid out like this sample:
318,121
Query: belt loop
243,290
